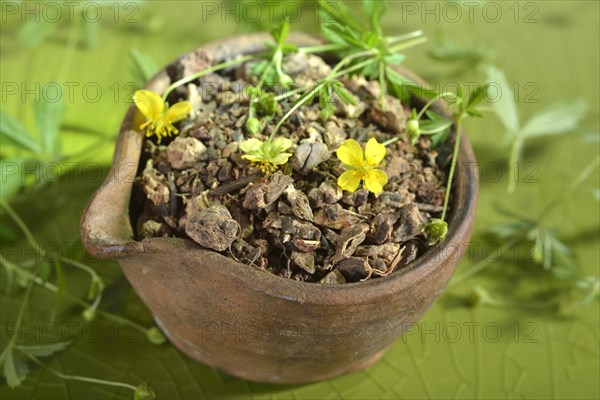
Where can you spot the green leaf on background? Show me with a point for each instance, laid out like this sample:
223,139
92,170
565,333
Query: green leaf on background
375,9
429,127
90,33
557,119
48,119
144,66
446,50
15,370
504,104
15,133
61,279
143,392
11,179
42,350
34,32
335,11
478,95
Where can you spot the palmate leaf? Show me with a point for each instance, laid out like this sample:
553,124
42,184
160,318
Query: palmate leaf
558,118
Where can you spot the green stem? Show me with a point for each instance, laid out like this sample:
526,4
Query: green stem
20,316
324,48
347,60
395,39
36,246
337,75
500,303
583,175
513,160
294,108
382,85
408,44
81,378
70,51
450,95
85,305
454,161
206,71
482,264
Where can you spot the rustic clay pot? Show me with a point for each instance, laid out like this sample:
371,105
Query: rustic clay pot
253,324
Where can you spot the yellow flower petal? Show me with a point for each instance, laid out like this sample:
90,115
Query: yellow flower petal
280,158
178,111
349,180
375,180
149,103
250,145
350,153
374,152
280,144
251,157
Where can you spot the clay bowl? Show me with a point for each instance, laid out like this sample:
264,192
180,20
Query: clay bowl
252,324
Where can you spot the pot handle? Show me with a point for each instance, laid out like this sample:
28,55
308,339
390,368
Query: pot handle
105,228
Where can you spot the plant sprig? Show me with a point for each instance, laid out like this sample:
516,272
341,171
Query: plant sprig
557,119
356,42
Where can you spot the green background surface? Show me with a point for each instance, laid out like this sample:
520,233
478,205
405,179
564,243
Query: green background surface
455,351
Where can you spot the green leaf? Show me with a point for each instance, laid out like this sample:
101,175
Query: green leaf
446,50
48,118
144,66
15,370
557,119
439,138
478,95
375,9
90,34
394,59
281,32
12,178
143,392
335,11
42,350
15,133
333,35
343,94
429,127
33,32
504,105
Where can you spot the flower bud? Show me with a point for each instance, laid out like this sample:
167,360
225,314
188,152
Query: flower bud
155,336
412,130
89,314
253,126
143,392
436,231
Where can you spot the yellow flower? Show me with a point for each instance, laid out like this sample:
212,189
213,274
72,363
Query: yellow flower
362,166
159,116
267,155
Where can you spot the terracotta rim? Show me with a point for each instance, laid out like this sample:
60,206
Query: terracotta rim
110,238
